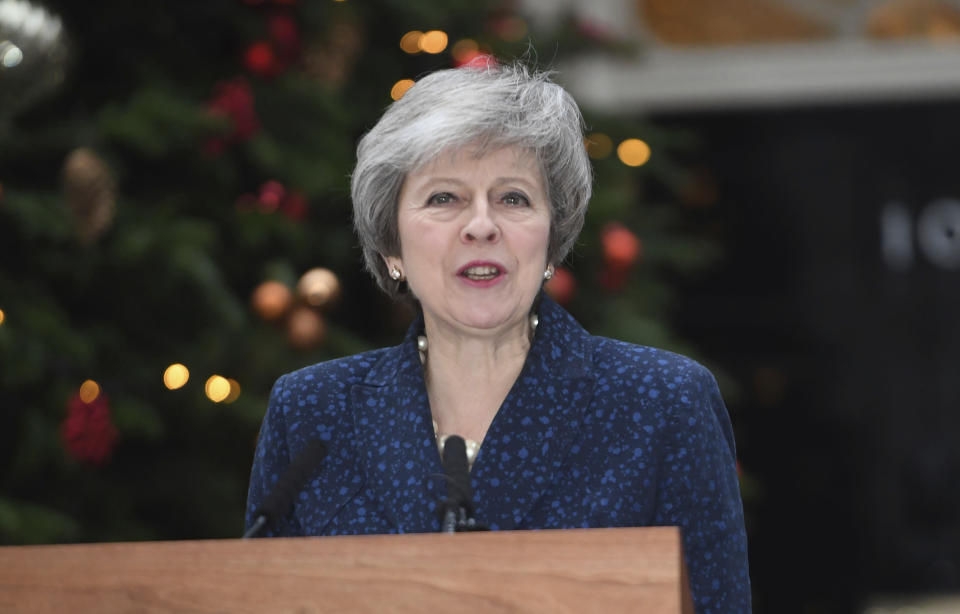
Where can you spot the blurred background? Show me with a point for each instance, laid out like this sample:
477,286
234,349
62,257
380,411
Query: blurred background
777,195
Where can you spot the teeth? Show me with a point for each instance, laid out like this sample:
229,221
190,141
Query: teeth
481,272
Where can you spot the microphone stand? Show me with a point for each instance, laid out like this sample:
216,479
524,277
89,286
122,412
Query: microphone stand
456,511
457,518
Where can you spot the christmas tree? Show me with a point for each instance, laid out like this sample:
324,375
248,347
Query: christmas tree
175,234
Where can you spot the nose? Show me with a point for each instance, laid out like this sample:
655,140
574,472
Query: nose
480,226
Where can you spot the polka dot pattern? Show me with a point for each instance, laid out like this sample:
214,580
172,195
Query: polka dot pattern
594,433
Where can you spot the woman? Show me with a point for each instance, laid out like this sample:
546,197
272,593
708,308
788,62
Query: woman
467,193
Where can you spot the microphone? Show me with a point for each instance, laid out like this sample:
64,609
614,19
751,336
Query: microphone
280,500
456,511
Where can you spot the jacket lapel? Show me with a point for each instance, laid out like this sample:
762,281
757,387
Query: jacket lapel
526,445
394,439
532,434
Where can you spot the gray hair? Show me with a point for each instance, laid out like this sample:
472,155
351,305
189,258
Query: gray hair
492,107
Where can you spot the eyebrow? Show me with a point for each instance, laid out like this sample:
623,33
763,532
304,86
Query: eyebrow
498,181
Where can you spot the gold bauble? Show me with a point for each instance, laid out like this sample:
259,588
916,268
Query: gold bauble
271,300
319,287
90,192
305,328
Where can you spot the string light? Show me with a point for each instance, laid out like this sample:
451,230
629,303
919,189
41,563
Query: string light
234,391
633,152
176,376
599,145
410,42
433,41
400,88
217,388
89,391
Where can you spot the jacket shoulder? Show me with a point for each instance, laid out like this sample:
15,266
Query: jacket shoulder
346,371
325,386
624,362
661,388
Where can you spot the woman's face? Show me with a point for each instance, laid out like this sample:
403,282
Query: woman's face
474,233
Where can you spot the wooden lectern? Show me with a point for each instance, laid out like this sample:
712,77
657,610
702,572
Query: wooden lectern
580,570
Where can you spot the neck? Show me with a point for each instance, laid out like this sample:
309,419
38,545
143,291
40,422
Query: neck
468,376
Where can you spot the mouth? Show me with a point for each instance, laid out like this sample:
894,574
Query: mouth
481,272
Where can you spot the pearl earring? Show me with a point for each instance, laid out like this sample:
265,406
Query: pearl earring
395,273
548,274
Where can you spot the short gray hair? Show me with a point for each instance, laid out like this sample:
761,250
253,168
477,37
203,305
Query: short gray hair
491,107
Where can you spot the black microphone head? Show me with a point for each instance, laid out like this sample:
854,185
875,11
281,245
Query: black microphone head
457,469
292,480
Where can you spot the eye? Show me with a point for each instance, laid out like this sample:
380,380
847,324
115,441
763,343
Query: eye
441,198
515,199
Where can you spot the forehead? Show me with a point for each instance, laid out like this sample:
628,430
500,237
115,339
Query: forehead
476,160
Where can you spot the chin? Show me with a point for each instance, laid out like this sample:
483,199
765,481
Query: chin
487,321
490,319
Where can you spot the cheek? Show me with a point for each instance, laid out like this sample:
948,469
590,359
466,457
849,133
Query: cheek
537,241
421,242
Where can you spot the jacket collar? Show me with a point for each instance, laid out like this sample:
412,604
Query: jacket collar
525,446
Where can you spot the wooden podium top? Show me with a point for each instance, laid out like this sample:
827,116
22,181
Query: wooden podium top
580,570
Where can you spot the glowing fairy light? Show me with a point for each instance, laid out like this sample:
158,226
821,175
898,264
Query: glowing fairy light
217,388
89,391
410,42
633,152
176,376
599,145
400,88
433,41
234,391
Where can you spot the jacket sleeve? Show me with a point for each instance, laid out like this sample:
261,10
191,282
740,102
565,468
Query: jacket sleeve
699,491
270,460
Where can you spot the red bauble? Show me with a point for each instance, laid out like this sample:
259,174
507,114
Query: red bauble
478,61
261,60
88,434
233,100
272,193
294,206
621,247
562,286
286,38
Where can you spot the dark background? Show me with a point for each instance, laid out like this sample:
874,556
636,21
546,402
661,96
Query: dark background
848,360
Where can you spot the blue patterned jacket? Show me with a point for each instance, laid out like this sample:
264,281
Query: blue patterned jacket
594,433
